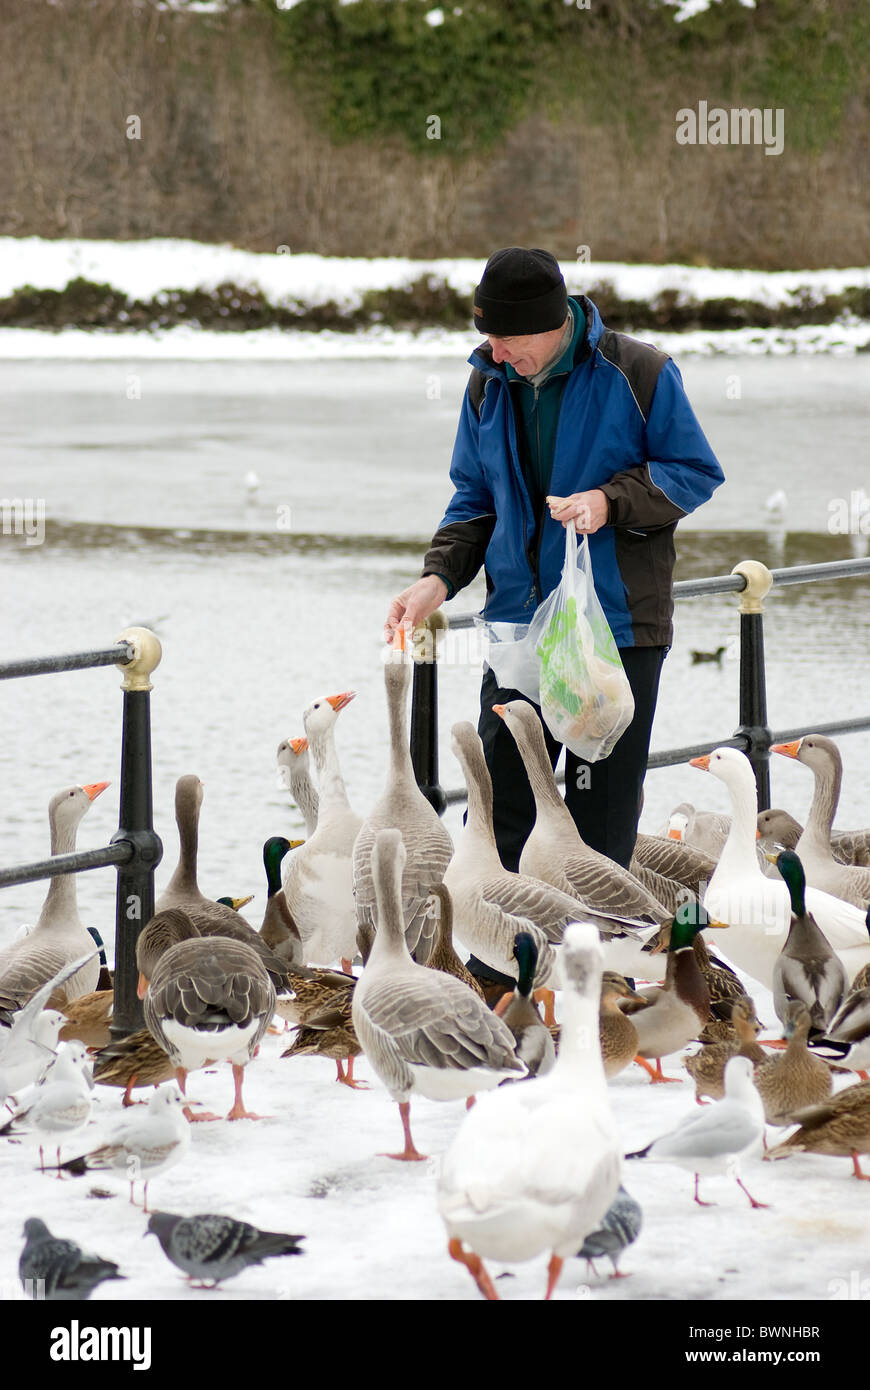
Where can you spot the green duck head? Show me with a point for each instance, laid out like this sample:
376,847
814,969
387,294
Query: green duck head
690,919
792,871
273,852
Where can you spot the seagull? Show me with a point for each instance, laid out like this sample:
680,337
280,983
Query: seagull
29,1045
216,1247
142,1146
61,1105
716,1140
56,1269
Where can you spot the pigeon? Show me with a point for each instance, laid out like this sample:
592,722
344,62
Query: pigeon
57,1269
142,1146
60,1105
620,1227
216,1247
715,1141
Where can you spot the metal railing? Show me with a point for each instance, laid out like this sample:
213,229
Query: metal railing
752,581
135,849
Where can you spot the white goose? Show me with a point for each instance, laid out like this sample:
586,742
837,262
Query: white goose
402,806
757,909
848,881
421,1030
535,1167
60,936
318,878
293,773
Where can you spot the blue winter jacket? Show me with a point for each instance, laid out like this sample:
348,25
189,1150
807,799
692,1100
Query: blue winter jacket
626,427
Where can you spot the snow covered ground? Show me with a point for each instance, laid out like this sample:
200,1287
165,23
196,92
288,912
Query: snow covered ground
144,269
372,1224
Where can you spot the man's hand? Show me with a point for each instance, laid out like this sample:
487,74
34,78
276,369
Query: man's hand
588,510
414,604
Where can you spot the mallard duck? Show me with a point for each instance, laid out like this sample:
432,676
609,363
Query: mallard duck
532,1171
616,1032
715,1140
330,1034
60,935
421,1030
673,1013
279,930
534,1045
707,1066
88,1018
137,1060
294,774
442,955
204,998
721,1028
757,909
238,903
839,1126
795,1079
847,881
807,967
318,879
403,806
847,1038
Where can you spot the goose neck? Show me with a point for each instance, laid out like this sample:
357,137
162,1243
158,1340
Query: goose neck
825,800
579,1047
332,788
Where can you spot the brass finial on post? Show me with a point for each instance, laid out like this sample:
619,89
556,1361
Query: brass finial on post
147,653
134,899
758,584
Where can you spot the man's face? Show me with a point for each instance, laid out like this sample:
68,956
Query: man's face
529,353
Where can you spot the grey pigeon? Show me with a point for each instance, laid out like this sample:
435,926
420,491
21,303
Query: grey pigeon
620,1228
216,1247
69,1274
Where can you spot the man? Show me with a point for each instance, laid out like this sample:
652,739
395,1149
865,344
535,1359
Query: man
566,423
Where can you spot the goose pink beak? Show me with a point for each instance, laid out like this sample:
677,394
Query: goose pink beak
703,762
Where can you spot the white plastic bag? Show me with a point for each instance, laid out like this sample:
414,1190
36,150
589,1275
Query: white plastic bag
584,694
513,658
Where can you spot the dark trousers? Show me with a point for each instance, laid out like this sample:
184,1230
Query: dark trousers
604,797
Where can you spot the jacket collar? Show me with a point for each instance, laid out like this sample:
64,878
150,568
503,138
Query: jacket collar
482,355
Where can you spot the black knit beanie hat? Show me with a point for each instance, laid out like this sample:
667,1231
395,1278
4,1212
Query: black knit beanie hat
521,291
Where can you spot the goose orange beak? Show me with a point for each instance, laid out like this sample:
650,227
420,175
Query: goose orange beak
142,987
703,762
339,701
499,710
674,834
399,640
298,745
788,750
93,789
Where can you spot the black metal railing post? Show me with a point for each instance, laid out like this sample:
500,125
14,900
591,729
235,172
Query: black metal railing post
134,902
424,710
752,713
